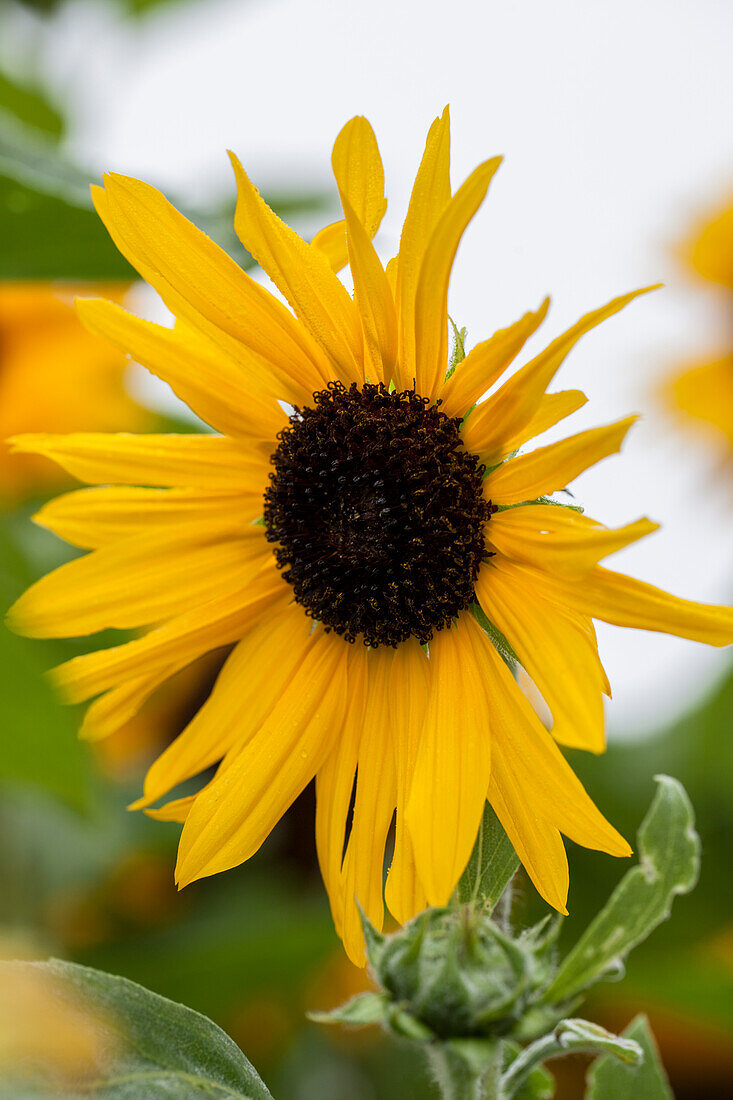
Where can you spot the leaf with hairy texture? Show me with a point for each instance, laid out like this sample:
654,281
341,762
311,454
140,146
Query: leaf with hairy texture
669,864
609,1079
491,866
142,1044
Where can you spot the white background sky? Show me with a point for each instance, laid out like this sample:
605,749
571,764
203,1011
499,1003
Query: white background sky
614,118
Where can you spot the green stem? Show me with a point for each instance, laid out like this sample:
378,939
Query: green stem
465,1074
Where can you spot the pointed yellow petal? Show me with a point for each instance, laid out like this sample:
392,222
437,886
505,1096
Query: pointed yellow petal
538,845
138,582
335,786
376,795
176,810
537,767
556,538
252,679
179,642
404,893
197,280
625,601
485,363
112,710
553,408
358,168
374,300
430,196
511,408
304,276
187,461
547,469
232,817
431,295
556,651
451,774
210,384
90,518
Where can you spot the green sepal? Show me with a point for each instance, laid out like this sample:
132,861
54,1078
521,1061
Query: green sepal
669,864
362,1010
497,639
458,353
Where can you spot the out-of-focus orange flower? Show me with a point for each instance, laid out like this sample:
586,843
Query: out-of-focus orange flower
703,392
44,1034
54,377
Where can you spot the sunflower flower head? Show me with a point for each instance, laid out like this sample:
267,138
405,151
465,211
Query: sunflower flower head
362,554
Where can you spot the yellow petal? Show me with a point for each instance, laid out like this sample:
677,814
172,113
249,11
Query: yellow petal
335,788
220,622
252,679
304,276
431,295
404,892
213,386
187,461
553,647
374,300
625,601
451,774
358,168
485,363
235,813
376,795
197,280
547,469
711,253
176,810
553,408
557,538
430,196
538,769
90,518
112,710
501,417
138,582
538,845
705,393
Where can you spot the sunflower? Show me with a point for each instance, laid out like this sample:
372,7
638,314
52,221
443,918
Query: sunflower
703,392
356,491
54,376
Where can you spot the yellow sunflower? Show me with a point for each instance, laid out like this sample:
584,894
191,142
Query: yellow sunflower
703,392
385,508
54,376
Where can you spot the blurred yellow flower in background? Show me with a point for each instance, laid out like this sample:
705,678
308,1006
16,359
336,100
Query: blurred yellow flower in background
54,376
390,507
703,392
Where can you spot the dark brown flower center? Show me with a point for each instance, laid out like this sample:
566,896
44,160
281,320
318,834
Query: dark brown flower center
377,513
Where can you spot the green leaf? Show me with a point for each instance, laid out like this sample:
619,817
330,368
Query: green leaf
669,863
30,106
148,1046
570,1036
50,230
609,1079
491,866
539,1084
